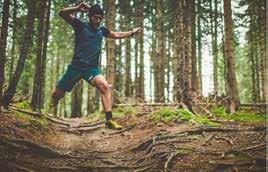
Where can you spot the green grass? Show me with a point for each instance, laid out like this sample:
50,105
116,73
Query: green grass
168,115
241,116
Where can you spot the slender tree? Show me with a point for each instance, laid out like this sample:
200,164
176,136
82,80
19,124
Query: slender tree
199,45
229,55
14,38
36,102
26,43
3,44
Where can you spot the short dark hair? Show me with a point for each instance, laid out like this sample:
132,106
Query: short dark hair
95,9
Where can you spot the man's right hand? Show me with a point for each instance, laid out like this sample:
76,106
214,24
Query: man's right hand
83,7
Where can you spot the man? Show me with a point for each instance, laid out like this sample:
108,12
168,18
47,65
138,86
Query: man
88,40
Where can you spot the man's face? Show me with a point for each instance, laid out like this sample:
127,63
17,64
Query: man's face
95,20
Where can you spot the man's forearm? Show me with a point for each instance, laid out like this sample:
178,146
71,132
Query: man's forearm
120,35
68,11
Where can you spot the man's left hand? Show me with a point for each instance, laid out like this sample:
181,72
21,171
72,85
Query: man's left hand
137,30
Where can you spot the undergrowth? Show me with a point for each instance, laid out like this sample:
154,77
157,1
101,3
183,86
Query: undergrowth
168,115
241,116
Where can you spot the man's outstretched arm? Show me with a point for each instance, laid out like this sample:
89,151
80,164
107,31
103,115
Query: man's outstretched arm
66,13
120,35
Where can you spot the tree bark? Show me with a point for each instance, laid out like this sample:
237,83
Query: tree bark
229,53
3,44
14,39
36,102
194,61
110,17
77,99
47,24
181,53
199,44
26,43
214,25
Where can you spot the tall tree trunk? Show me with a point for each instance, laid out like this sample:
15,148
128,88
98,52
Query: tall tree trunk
187,92
194,61
214,25
44,63
160,54
110,17
26,43
37,85
199,44
14,39
181,53
140,18
229,53
264,76
3,44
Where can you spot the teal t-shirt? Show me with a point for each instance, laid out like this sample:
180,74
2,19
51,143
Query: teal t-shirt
88,43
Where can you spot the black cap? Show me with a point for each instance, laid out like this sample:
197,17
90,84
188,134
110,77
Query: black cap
95,9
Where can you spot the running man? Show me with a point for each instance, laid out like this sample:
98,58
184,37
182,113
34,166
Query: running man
85,62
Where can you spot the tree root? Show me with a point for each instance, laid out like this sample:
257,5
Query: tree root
121,131
172,155
24,145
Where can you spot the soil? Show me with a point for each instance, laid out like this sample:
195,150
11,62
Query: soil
142,145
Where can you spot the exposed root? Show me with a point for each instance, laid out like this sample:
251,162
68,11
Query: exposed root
24,145
121,131
172,155
255,147
227,140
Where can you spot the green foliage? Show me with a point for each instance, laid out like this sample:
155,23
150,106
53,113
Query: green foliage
23,105
241,116
167,115
123,111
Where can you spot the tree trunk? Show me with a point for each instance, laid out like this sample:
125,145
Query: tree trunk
199,44
229,53
188,50
47,24
90,100
110,17
14,39
214,25
26,43
36,102
77,99
3,44
140,18
181,53
194,62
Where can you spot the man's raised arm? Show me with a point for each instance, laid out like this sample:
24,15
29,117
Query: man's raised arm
120,35
66,13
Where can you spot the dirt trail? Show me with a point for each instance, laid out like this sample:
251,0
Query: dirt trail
141,146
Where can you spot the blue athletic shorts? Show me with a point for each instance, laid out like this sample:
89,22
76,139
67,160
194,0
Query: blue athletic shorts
73,75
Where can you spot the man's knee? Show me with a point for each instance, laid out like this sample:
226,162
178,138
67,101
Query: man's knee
104,87
58,93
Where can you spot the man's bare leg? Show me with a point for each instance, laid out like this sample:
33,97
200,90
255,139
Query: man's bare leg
106,98
57,94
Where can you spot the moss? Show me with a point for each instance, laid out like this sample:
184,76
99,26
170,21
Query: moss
241,116
23,105
31,123
123,111
167,115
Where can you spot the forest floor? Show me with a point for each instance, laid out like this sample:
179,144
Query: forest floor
33,142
